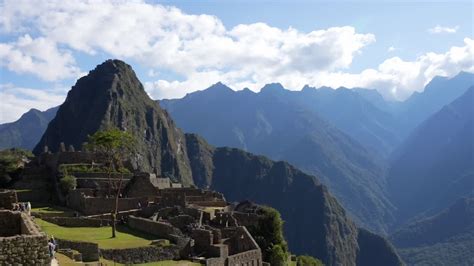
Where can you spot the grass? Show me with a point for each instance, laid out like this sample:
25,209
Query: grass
126,237
22,190
160,263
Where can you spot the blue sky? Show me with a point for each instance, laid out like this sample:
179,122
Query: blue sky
177,47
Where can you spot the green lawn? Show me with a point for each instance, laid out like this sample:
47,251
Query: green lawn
160,263
126,237
63,260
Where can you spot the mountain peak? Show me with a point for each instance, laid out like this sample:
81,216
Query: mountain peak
113,66
219,86
273,87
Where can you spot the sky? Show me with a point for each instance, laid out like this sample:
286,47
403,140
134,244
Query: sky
177,47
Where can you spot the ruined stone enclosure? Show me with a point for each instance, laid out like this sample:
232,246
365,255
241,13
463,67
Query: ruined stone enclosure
21,241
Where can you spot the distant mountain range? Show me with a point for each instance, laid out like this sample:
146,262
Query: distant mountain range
446,238
435,164
278,124
388,163
27,130
438,93
315,223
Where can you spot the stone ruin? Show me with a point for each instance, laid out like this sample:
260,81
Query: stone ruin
200,224
21,241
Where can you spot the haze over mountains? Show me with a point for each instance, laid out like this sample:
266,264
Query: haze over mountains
435,164
271,123
386,162
446,238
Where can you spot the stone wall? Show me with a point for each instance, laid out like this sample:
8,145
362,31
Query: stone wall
203,239
77,221
215,262
10,224
251,257
224,219
239,240
181,221
7,199
141,254
142,185
29,247
210,203
159,229
81,201
246,219
89,251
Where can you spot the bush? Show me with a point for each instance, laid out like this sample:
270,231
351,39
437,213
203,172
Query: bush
11,163
278,256
269,235
305,260
68,183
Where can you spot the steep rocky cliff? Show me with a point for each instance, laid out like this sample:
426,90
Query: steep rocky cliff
112,95
315,223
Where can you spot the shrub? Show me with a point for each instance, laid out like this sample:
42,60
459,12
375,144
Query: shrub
305,260
68,183
278,256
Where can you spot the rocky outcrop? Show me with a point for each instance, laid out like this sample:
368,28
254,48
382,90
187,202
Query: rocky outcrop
315,223
112,96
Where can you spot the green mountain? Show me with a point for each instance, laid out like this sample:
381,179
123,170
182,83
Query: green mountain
111,95
435,165
315,222
446,238
27,130
280,124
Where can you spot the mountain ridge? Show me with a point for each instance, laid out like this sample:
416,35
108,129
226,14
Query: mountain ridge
123,103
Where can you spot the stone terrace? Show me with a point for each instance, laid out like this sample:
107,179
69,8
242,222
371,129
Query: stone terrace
21,241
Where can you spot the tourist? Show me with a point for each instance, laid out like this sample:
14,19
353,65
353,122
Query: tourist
28,208
51,248
139,205
55,243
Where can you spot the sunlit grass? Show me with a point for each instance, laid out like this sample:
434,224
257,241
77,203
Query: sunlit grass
126,237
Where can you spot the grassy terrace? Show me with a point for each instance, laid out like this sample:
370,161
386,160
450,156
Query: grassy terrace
126,237
63,260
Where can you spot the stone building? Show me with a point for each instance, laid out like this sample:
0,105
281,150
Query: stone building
21,241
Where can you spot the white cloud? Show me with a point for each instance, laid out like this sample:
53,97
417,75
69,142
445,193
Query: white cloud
15,101
396,78
391,49
165,37
200,50
40,57
441,29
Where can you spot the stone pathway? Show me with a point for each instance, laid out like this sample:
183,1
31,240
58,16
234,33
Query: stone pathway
54,262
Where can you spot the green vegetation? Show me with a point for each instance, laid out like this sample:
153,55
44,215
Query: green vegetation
115,146
269,236
88,168
305,260
160,263
11,163
64,260
68,183
125,237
